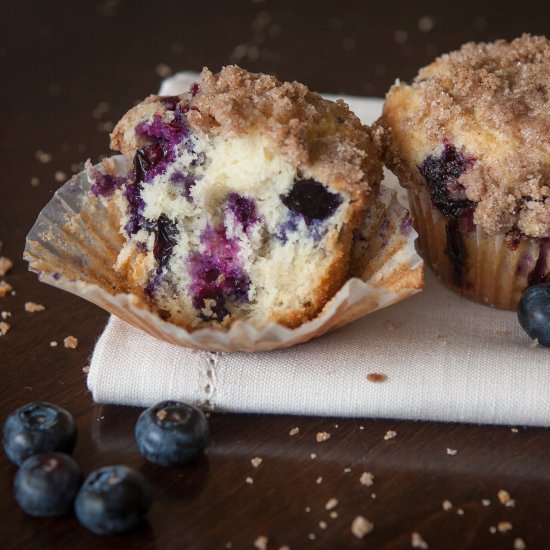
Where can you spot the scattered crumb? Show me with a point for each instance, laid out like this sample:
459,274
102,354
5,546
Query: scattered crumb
4,327
506,499
366,479
451,452
249,480
319,480
60,176
485,502
426,23
373,495
86,369
313,456
504,526
294,431
35,182
519,544
261,542
70,342
311,536
390,434
347,470
418,542
460,511
447,505
323,524
514,430
284,547
333,514
376,377
163,70
5,265
331,504
361,427
361,526
53,344
5,288
43,157
321,437
307,509
31,307
492,529
229,545
5,315
256,461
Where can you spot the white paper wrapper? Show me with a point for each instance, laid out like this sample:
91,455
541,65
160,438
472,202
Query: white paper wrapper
76,239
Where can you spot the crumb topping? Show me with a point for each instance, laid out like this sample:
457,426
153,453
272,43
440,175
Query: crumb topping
492,101
319,137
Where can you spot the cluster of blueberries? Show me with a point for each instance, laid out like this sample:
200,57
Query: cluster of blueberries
39,437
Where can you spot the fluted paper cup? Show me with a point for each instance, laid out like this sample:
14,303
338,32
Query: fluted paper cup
494,271
76,239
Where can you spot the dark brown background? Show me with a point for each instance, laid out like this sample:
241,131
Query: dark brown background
58,61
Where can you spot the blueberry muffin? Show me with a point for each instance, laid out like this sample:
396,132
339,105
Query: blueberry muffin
241,201
470,140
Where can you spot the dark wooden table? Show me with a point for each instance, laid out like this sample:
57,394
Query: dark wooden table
68,70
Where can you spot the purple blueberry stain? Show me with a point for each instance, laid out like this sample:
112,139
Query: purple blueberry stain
105,185
185,182
243,209
217,276
441,174
311,200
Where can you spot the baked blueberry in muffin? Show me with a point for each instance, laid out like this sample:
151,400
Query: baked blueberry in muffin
470,139
242,199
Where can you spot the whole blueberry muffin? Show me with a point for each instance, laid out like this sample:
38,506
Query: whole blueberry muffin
470,140
242,199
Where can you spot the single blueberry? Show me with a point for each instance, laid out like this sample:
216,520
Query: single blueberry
46,484
37,428
534,313
113,499
312,200
171,433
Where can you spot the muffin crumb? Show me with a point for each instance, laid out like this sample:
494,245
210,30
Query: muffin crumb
70,342
390,434
32,307
506,499
256,461
361,526
294,431
4,327
5,288
376,377
417,541
366,479
331,504
5,265
321,437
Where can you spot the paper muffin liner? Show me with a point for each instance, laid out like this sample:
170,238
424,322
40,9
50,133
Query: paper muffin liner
76,239
495,273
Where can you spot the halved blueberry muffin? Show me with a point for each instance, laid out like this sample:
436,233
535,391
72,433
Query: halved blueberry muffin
242,201
470,140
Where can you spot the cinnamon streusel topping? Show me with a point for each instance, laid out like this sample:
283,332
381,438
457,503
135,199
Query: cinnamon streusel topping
492,103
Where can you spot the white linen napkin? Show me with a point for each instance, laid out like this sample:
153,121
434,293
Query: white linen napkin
444,358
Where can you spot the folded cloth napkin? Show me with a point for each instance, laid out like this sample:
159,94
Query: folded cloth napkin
441,357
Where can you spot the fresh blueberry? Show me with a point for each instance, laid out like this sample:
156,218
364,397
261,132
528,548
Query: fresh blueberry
38,428
46,484
171,433
534,313
112,500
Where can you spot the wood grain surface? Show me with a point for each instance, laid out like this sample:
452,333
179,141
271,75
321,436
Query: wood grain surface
69,70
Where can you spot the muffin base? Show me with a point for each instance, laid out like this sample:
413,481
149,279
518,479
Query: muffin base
484,268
